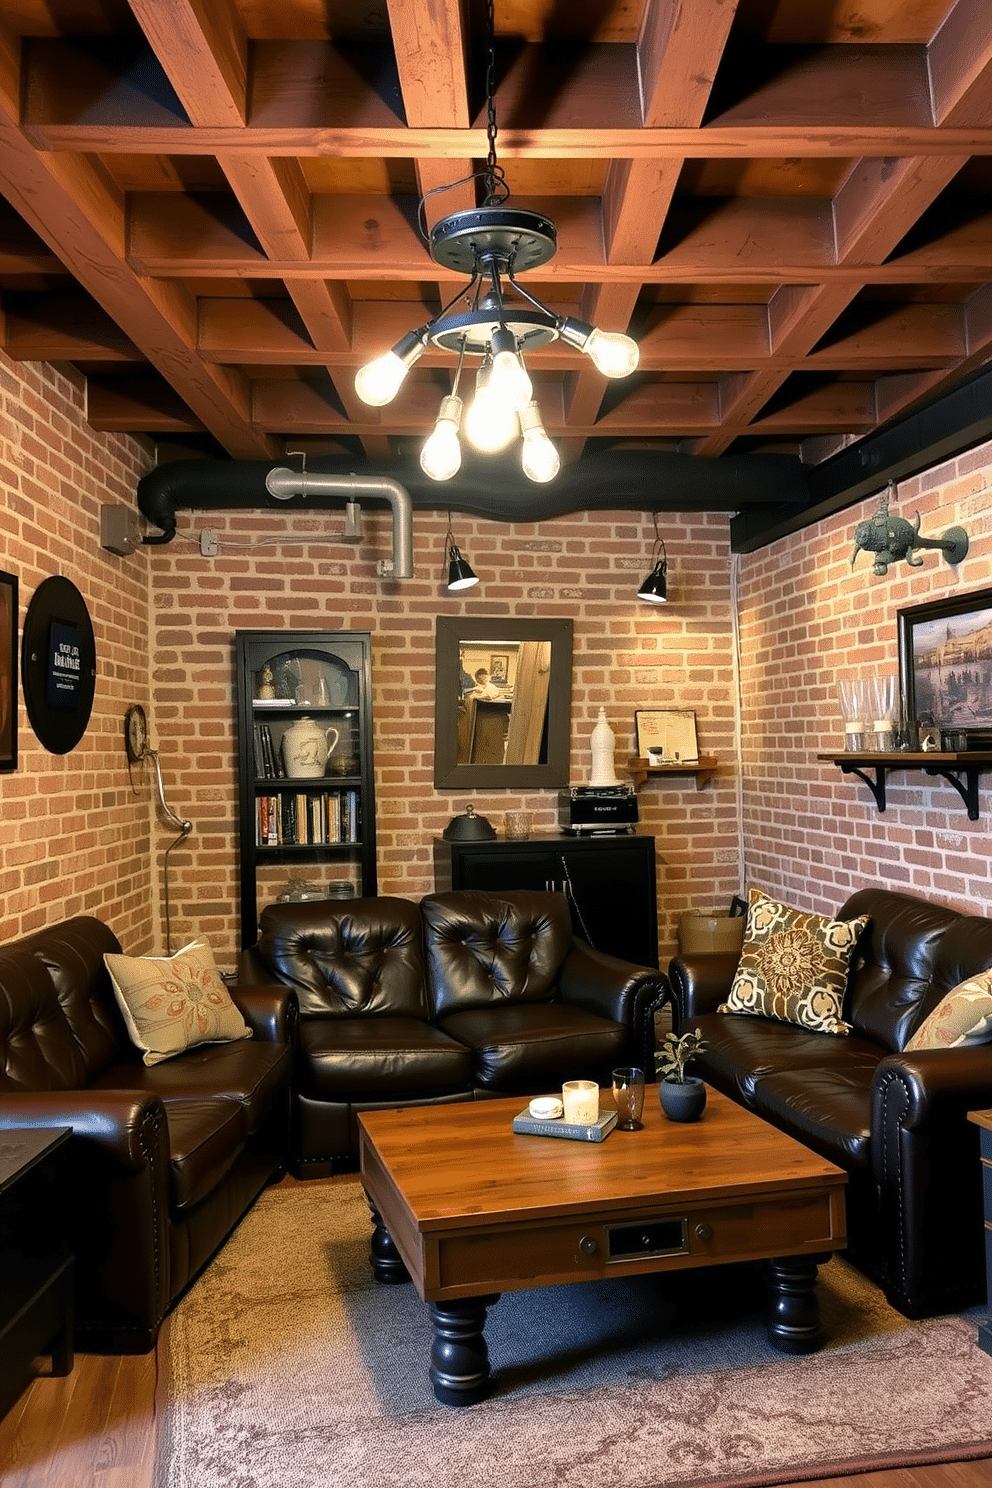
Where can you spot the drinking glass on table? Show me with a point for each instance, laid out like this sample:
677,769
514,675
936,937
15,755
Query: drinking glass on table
628,1094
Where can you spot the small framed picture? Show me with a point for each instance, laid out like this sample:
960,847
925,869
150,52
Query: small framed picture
499,667
8,671
666,737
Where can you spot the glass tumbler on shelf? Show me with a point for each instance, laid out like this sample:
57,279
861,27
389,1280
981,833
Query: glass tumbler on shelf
882,706
851,695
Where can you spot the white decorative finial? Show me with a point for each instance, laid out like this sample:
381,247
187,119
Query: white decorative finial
603,745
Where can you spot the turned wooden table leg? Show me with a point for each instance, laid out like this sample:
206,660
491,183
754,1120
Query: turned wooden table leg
387,1263
459,1368
794,1324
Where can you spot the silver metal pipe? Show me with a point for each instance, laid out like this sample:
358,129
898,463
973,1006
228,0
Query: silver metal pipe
284,483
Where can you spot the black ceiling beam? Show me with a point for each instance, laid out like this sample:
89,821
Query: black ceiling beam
956,421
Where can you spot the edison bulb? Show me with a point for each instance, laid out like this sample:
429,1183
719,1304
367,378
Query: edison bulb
489,424
615,354
441,456
539,457
378,382
508,381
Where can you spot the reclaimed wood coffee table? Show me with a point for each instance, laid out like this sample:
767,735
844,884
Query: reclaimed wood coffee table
467,1209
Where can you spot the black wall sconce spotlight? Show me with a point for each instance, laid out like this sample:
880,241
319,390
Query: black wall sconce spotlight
460,572
655,586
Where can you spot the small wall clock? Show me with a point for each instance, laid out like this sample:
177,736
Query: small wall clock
135,733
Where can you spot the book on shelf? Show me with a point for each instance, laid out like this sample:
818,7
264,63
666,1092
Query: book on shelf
264,748
307,818
572,1131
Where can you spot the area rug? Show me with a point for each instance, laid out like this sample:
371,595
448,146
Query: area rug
291,1368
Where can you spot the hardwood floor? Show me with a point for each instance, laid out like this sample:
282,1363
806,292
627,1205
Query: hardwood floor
97,1428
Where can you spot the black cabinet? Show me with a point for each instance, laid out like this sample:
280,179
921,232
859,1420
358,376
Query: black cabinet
306,783
35,1266
609,882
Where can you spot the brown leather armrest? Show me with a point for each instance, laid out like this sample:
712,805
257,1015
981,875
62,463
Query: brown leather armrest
700,983
603,984
917,1089
128,1124
269,1011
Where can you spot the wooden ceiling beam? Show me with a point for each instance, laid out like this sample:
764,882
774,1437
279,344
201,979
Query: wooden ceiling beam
147,404
299,86
898,395
70,204
65,328
679,49
959,60
819,85
203,50
368,237
767,139
872,212
431,50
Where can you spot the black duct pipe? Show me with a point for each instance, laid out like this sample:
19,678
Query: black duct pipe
614,480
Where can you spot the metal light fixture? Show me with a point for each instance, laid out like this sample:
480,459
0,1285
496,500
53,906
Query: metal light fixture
460,573
655,586
492,244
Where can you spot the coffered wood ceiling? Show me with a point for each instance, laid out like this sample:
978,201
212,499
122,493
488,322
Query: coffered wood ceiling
211,210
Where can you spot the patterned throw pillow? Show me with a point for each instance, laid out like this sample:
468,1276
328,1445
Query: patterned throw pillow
962,1018
794,966
172,1003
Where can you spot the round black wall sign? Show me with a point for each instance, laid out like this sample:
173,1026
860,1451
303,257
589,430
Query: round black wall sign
58,664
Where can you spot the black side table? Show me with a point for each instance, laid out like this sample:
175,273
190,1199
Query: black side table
35,1267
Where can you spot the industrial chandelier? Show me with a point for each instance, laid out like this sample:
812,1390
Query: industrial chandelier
491,244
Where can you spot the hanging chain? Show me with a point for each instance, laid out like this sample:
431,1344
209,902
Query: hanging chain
496,188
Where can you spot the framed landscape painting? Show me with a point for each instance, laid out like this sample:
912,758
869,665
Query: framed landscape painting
945,663
8,671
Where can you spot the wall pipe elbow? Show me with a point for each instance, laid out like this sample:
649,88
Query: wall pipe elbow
283,483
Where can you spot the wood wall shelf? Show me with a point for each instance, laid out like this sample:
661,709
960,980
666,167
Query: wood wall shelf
704,769
959,770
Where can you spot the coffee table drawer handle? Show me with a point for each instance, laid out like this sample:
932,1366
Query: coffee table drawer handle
652,1237
588,1245
704,1232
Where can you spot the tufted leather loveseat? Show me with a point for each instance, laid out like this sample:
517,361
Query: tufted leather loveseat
895,1121
462,996
162,1161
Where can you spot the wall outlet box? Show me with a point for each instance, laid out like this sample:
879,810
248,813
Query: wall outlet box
118,530
209,543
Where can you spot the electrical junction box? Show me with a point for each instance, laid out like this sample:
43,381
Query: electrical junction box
118,530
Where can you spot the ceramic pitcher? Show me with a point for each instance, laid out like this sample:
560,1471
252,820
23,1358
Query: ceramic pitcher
305,747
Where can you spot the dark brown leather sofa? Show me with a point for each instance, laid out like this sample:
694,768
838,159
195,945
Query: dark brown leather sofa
895,1121
462,996
163,1161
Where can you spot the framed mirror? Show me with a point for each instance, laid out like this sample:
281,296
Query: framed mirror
502,703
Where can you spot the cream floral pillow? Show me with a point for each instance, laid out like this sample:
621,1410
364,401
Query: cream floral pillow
172,1003
794,966
962,1018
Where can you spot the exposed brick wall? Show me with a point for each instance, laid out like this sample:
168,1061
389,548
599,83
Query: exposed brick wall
814,835
76,838
587,567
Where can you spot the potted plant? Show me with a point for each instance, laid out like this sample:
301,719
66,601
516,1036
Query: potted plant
682,1096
